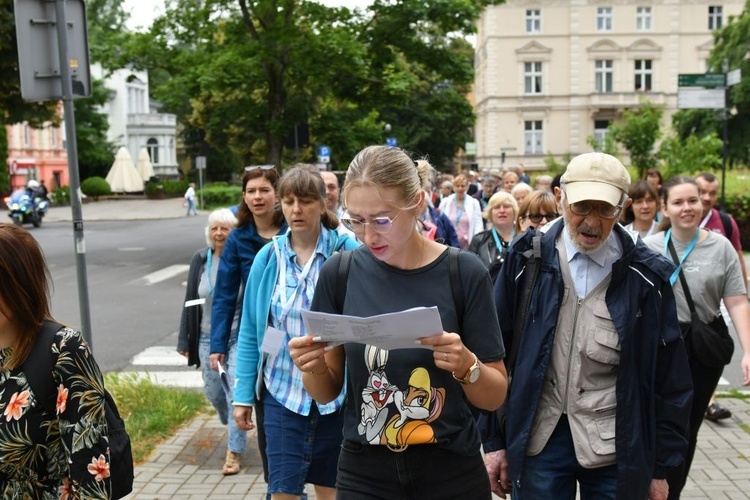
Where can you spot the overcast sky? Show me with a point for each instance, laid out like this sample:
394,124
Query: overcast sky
143,12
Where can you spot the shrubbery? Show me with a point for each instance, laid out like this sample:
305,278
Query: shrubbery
739,206
95,187
221,195
170,189
60,196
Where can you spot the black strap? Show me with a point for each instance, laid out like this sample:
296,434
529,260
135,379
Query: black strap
685,288
39,364
342,278
726,221
457,287
530,277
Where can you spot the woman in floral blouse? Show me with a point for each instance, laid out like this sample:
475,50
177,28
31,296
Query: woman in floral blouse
44,453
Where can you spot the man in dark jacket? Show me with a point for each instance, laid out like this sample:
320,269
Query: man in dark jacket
601,389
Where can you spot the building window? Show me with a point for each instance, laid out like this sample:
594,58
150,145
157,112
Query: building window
533,20
53,132
643,75
533,136
532,72
152,146
604,76
601,131
604,19
26,135
643,19
714,17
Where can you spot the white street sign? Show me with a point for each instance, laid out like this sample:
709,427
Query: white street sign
701,98
734,77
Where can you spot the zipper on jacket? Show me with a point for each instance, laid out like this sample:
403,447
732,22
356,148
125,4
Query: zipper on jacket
579,304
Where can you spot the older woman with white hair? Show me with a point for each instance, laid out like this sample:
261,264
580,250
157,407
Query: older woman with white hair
194,341
491,245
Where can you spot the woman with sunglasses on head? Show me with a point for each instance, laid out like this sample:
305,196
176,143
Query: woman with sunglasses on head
712,272
408,427
536,210
492,245
259,218
304,437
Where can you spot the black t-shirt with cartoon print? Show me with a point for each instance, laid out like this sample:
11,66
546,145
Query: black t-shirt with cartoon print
400,397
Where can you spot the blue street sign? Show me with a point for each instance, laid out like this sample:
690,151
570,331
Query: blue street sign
391,141
324,151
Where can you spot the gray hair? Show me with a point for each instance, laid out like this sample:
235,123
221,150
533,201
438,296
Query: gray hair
219,216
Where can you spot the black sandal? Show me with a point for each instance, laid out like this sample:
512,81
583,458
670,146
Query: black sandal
716,412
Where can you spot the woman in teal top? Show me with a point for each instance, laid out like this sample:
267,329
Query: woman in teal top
306,436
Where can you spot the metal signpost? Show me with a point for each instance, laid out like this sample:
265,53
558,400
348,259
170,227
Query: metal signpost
45,28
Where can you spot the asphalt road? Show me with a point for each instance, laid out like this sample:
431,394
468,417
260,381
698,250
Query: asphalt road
135,293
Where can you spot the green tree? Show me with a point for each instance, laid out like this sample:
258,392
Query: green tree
692,155
638,132
13,109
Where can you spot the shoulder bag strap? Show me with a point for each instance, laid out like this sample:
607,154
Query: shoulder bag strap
685,289
530,277
342,278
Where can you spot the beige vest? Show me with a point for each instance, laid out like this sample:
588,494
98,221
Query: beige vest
582,375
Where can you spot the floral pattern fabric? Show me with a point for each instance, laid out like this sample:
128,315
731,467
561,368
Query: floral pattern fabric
64,453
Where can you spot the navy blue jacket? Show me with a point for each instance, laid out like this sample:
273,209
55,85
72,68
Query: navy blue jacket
445,232
237,258
654,388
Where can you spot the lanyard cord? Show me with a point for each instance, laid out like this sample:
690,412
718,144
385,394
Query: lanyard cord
691,245
502,245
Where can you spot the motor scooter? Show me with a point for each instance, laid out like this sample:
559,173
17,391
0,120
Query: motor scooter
26,207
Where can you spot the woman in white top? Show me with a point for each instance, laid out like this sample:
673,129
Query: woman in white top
643,210
463,211
712,272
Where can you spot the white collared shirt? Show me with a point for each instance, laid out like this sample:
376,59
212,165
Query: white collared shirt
588,272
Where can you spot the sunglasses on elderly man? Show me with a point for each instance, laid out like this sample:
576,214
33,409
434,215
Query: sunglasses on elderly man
262,167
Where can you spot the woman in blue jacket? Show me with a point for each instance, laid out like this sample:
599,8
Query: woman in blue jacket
259,218
283,277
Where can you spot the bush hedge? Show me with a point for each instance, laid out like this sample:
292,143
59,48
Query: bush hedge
167,189
221,195
95,187
739,206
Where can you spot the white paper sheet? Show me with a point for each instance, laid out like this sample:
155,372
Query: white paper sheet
399,330
224,377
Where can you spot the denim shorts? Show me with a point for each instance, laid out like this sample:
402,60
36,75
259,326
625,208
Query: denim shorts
367,472
301,449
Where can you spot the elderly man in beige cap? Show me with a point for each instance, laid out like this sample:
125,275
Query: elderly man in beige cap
600,387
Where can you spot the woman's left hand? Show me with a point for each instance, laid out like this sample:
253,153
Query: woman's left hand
449,352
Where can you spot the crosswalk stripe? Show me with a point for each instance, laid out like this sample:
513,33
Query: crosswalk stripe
162,274
185,380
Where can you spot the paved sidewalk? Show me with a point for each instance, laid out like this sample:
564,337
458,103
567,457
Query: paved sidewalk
123,208
188,466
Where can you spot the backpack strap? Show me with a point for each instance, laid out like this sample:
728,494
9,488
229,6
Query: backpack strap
525,292
342,278
39,363
457,286
726,221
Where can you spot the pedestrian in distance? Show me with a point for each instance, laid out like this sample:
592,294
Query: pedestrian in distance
463,211
194,339
190,198
408,427
63,451
712,273
601,387
259,218
303,436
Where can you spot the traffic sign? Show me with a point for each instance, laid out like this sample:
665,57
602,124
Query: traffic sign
38,54
734,77
324,154
708,80
392,142
200,162
701,99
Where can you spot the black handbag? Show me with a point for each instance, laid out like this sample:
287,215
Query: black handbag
709,343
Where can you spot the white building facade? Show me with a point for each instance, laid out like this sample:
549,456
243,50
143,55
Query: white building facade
551,73
135,121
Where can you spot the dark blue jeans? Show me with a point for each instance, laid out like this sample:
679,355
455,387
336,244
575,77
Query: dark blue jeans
368,472
555,471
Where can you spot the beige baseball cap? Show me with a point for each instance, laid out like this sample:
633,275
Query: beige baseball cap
595,176
495,172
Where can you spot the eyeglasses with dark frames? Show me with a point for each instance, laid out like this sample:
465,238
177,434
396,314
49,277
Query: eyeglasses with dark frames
537,218
603,209
377,224
262,167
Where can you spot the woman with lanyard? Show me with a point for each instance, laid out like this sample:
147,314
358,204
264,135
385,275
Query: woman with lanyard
408,426
463,211
194,340
305,436
643,211
491,245
711,270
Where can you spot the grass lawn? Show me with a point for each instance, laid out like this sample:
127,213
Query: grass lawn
151,412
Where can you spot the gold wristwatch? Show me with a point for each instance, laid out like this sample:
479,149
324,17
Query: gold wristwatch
472,375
